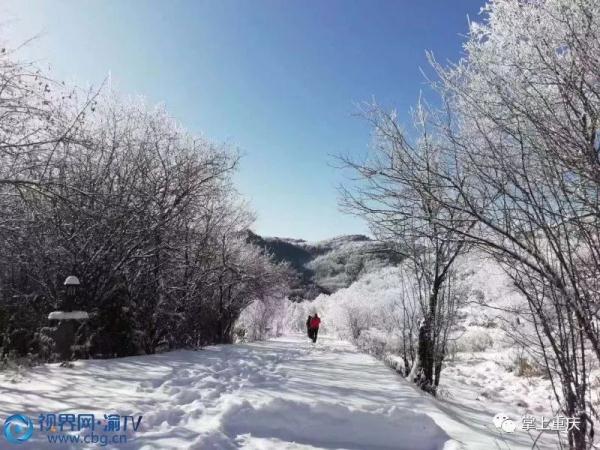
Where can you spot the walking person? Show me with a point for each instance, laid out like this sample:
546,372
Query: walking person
314,327
308,329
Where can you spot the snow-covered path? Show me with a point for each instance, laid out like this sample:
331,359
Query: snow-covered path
281,394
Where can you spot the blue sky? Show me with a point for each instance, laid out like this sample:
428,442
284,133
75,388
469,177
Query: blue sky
279,79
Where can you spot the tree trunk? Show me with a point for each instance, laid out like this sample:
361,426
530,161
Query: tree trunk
426,347
425,350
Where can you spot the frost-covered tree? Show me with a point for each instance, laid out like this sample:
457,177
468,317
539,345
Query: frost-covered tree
398,192
516,174
519,134
143,212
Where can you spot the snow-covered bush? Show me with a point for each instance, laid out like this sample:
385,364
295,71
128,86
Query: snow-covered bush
525,367
473,339
379,343
350,310
118,193
263,318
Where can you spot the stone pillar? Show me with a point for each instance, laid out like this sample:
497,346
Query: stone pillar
64,337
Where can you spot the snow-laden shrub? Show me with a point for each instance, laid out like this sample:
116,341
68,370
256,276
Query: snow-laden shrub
373,342
523,364
349,311
474,339
262,319
45,343
379,343
13,362
525,367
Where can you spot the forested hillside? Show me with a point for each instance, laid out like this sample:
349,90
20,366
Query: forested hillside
326,266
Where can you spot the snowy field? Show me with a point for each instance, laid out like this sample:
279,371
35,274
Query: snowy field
281,394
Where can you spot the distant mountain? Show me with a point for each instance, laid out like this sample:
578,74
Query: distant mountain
329,265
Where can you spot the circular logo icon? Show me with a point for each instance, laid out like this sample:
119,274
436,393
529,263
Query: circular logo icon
499,418
509,426
505,423
18,428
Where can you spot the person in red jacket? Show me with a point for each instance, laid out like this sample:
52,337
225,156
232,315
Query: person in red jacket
308,329
314,326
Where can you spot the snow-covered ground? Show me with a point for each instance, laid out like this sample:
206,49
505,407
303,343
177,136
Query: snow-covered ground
280,394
